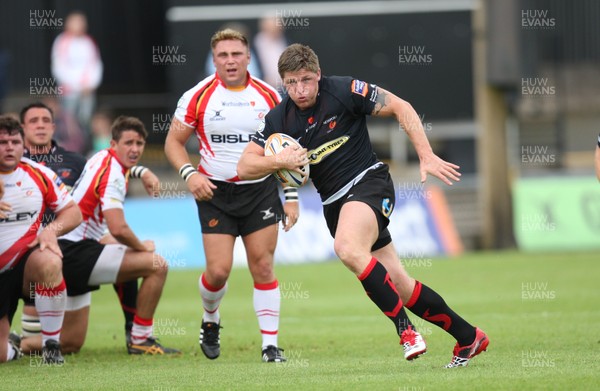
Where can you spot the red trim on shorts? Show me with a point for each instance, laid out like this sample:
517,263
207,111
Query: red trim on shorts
208,286
368,269
415,295
266,287
142,321
268,332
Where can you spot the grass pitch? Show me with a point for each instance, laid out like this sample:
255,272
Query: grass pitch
541,312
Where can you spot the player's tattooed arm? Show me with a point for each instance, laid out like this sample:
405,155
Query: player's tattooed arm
381,101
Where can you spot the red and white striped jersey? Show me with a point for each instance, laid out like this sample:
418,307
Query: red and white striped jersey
224,119
30,189
101,186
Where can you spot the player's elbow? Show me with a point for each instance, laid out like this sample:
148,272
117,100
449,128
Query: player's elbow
118,231
243,169
242,172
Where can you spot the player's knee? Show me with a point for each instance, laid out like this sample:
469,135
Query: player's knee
69,346
350,255
160,266
48,269
262,270
344,249
217,276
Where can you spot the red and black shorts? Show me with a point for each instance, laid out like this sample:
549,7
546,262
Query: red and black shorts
375,189
240,210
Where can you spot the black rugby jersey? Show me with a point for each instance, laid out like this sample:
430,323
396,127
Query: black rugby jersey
334,131
66,164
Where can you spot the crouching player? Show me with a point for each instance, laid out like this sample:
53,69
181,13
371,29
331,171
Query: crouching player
87,264
30,258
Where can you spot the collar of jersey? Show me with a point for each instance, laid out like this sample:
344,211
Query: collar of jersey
240,88
114,155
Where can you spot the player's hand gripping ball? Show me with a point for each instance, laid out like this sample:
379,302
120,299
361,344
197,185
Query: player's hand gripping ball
275,144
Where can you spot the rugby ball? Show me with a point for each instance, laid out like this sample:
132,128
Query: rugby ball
276,143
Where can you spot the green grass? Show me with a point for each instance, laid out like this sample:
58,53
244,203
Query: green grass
336,339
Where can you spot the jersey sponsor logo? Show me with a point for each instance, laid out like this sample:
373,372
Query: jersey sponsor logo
21,216
213,223
217,116
230,138
328,120
58,182
64,173
235,104
322,151
386,207
374,93
261,127
359,87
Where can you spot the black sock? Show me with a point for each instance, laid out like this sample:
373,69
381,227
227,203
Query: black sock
127,292
381,290
429,305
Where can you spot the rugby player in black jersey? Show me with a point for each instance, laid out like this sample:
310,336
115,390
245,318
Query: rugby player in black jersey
327,116
37,120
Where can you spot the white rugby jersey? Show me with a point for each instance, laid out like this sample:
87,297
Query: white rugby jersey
224,119
101,186
29,189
